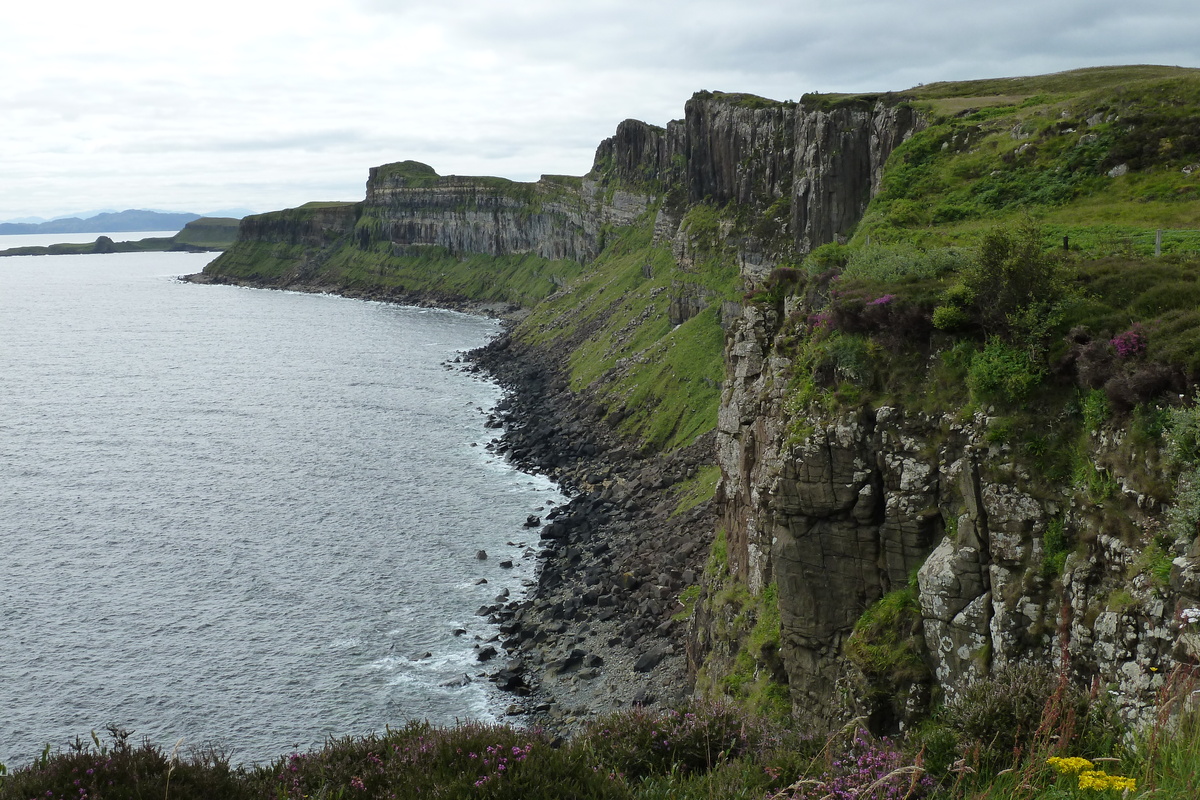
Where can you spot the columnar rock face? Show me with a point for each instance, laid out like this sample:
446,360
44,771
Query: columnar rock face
837,510
487,216
838,166
820,165
310,226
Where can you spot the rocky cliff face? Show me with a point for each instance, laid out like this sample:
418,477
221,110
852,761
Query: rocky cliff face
810,171
842,514
555,218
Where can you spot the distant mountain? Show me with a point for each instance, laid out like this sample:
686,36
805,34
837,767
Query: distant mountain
130,220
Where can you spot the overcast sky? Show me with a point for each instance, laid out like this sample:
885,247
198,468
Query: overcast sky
265,105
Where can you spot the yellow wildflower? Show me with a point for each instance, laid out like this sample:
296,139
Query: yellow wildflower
1069,766
1102,781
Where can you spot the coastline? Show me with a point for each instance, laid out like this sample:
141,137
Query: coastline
597,631
506,312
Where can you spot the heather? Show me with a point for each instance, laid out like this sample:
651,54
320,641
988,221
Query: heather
1020,735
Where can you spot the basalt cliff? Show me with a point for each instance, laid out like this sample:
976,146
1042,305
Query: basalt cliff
863,398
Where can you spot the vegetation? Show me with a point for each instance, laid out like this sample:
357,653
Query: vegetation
635,332
1024,735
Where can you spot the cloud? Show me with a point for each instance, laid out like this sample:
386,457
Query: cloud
255,104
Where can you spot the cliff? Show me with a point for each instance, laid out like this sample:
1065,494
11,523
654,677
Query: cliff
939,346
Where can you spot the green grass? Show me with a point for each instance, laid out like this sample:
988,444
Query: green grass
885,642
1046,145
519,279
696,490
662,381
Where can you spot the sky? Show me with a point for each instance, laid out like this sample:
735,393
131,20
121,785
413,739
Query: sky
267,105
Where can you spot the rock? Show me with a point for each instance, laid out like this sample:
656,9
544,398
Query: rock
486,653
650,659
481,555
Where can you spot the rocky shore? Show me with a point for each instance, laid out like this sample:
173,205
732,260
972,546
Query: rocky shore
508,312
599,630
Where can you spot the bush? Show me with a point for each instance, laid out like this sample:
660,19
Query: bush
866,768
468,760
121,771
1015,289
641,742
1002,373
997,717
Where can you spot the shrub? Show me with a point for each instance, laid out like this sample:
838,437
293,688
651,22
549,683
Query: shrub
997,717
1130,343
949,318
642,742
1002,373
866,769
1016,289
1129,389
468,760
827,257
120,770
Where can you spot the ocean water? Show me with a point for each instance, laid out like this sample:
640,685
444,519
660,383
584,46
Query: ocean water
240,517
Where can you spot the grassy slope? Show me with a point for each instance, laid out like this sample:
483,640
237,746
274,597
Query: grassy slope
663,382
1047,145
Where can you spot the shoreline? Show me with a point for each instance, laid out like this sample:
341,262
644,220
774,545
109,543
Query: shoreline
501,310
597,630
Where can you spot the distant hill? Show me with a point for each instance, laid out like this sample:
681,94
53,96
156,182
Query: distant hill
204,234
129,220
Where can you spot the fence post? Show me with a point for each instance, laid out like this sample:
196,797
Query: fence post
1158,243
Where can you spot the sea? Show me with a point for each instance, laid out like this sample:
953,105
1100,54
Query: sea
242,518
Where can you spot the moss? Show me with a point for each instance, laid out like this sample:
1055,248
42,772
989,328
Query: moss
1055,548
753,673
885,642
